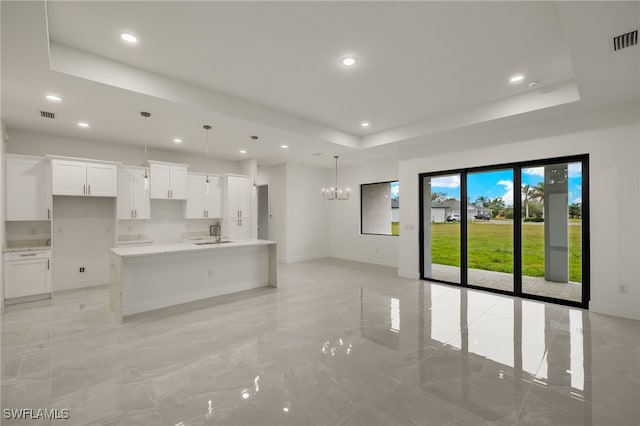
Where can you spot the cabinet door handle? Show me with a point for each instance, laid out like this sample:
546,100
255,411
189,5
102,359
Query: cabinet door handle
135,213
27,255
48,264
89,186
84,189
48,213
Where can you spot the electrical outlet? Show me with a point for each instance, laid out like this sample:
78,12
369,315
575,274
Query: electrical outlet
623,289
82,269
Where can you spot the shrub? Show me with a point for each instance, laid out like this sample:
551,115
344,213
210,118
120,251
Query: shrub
534,219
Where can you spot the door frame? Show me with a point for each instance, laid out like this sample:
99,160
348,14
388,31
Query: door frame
517,227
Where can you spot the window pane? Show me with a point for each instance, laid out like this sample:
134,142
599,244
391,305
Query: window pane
442,227
380,208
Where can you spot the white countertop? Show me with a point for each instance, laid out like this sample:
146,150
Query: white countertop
184,247
29,248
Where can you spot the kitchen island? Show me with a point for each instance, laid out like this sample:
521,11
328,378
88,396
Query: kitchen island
144,278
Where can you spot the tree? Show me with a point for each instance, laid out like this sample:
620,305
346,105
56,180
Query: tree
526,193
496,205
482,201
575,210
438,197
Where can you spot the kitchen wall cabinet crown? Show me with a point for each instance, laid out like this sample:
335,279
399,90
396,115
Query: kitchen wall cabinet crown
28,188
133,197
237,202
80,177
168,180
202,204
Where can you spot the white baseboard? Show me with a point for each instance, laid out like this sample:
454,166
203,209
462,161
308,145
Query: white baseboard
365,260
71,285
406,273
305,258
614,310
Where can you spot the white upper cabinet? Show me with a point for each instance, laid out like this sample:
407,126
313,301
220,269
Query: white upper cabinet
133,198
203,202
168,180
28,188
237,201
84,178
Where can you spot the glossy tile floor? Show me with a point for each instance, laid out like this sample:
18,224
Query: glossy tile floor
338,343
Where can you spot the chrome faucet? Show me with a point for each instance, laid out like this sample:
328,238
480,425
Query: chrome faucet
214,231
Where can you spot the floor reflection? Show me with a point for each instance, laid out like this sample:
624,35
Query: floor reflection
483,344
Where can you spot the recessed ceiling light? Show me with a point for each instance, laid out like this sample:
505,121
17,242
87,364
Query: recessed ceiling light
177,140
349,61
364,124
129,38
516,78
83,124
53,98
284,146
534,83
243,151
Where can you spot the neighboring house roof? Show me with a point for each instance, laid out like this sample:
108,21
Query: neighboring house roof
448,204
395,203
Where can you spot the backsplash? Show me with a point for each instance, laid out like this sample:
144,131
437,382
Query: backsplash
166,225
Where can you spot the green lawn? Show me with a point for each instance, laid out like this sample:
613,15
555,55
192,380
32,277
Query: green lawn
395,228
491,247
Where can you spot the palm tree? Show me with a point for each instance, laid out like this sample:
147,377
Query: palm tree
537,192
526,192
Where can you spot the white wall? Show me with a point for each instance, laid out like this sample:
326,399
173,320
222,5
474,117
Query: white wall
612,138
82,236
307,213
346,242
276,178
3,132
30,143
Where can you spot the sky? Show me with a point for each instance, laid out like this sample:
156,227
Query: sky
395,190
499,183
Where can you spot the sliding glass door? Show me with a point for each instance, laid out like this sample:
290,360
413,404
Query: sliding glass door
441,242
518,228
552,197
490,229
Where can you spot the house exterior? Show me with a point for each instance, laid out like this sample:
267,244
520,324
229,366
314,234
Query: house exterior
440,211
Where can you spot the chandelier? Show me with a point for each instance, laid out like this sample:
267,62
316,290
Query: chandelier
335,192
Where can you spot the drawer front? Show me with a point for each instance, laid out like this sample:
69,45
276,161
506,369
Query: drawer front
27,255
27,277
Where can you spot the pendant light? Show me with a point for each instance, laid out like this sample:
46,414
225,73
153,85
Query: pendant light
334,192
146,115
207,182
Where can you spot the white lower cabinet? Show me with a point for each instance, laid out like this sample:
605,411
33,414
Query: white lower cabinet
27,273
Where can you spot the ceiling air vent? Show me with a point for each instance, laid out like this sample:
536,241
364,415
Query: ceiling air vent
46,114
625,40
